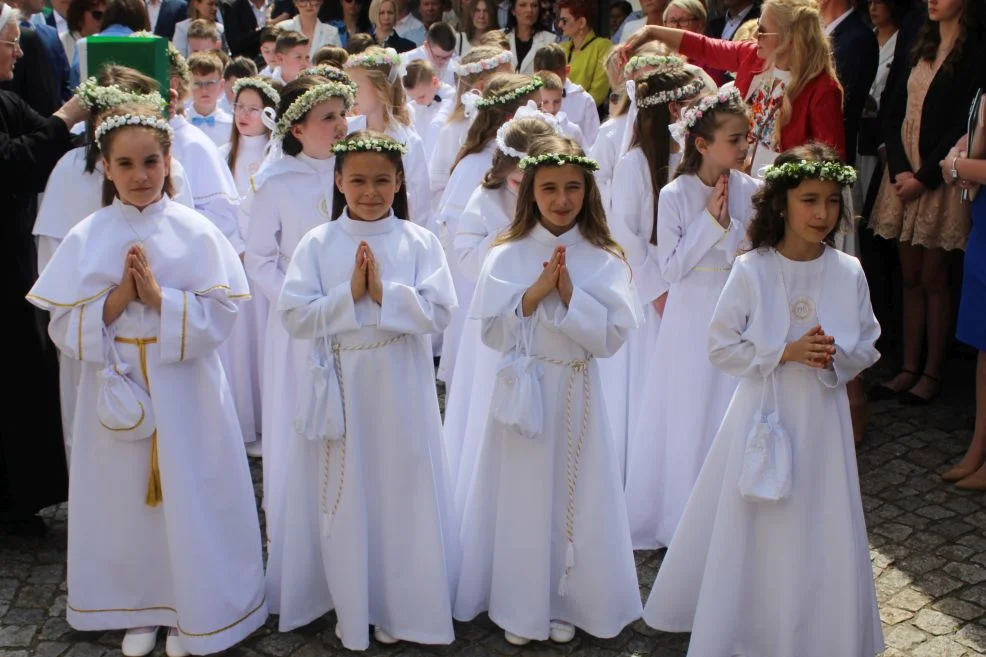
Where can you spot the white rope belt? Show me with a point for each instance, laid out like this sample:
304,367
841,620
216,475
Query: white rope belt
337,350
573,452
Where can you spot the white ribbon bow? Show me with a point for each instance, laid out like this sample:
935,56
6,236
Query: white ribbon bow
469,100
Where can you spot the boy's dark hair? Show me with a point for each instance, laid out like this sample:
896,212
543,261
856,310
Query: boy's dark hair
359,42
441,35
205,63
131,13
289,39
332,55
269,33
240,67
550,58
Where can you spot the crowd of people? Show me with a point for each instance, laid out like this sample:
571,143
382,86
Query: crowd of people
650,269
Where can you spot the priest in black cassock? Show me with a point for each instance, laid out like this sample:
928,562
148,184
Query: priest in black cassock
33,473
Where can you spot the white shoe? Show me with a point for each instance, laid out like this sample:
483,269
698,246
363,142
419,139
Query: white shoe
383,636
515,640
139,641
255,449
173,647
338,631
561,632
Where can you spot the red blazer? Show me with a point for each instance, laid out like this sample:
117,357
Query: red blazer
816,114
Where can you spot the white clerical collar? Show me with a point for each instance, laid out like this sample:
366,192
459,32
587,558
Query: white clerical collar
361,228
132,213
830,28
545,236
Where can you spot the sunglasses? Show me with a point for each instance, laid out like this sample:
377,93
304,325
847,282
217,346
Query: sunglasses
97,14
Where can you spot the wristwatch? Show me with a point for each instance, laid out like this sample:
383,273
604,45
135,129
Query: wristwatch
954,172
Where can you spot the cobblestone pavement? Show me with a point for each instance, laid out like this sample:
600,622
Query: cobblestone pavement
927,540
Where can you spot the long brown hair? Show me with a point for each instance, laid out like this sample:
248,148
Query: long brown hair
293,91
770,202
106,145
470,81
519,135
650,130
128,79
394,157
591,218
234,139
489,119
929,37
706,128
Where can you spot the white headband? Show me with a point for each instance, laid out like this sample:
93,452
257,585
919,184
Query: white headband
528,111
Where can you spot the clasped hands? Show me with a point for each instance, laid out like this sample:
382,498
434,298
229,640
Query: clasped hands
138,282
366,275
814,349
554,276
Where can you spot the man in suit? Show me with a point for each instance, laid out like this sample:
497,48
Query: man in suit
52,47
857,55
57,17
243,20
33,80
164,15
737,13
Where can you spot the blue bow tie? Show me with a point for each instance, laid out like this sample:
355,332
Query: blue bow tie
200,121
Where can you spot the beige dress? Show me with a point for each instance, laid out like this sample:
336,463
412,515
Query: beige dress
937,218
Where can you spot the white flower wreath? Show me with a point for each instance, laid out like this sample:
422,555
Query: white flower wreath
310,99
368,144
332,74
671,95
557,160
488,64
660,62
795,172
258,84
370,60
125,120
510,96
528,111
692,115
96,98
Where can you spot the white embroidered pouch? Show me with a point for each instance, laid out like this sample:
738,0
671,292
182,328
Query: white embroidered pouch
767,458
122,406
319,414
516,402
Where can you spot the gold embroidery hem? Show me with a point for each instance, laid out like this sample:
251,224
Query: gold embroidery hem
194,635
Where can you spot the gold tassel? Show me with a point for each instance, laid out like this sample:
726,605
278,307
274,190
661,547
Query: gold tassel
154,494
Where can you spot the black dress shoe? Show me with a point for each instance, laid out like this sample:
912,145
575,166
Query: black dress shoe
883,392
908,398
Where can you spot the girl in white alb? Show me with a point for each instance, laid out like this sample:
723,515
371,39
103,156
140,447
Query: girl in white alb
702,217
774,533
143,293
642,173
381,99
244,153
368,525
546,543
490,210
292,195
505,93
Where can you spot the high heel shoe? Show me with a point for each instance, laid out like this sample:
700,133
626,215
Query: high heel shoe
957,473
908,398
883,392
972,483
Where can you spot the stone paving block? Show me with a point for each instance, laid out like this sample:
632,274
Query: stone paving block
892,615
910,599
939,646
919,564
17,636
904,636
35,595
967,572
935,622
959,609
972,636
937,584
975,594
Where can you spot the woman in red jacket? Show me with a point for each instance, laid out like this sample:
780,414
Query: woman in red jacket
786,75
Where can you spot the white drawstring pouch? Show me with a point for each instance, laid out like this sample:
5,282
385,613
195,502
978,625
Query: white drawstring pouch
319,414
516,402
767,459
123,407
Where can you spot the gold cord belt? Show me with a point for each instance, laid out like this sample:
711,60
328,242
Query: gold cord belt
154,493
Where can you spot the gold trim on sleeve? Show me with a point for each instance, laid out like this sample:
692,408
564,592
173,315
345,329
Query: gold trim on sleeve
184,322
82,310
74,303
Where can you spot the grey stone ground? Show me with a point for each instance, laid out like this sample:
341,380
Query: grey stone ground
927,540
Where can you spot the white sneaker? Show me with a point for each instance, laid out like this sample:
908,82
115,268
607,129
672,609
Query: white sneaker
561,632
515,640
173,647
139,641
383,636
255,449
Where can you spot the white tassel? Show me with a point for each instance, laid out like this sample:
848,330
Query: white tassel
569,565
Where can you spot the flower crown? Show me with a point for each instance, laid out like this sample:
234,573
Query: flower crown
96,98
123,120
510,96
557,160
372,60
528,111
689,90
662,63
332,74
488,64
310,99
368,145
795,172
260,85
691,116
175,59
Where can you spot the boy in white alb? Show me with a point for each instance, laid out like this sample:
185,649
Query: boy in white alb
203,111
550,98
430,99
268,50
576,102
292,53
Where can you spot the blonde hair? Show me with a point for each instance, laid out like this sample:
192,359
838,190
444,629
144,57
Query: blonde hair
392,94
694,8
746,32
469,81
375,10
808,49
489,119
551,81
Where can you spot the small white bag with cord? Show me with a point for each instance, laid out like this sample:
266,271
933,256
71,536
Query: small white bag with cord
122,405
516,402
767,459
320,414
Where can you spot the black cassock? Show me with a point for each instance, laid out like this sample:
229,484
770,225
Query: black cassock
33,473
